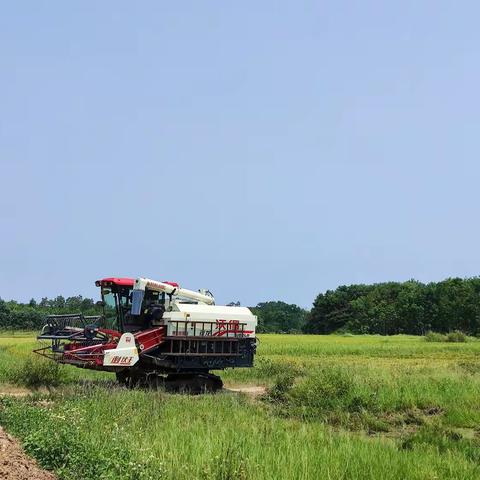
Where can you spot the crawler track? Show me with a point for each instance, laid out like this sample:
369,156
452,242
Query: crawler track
189,382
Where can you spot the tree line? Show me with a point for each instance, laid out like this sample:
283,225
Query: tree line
391,308
273,317
386,308
32,315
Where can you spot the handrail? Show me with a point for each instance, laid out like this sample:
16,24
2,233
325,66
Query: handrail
217,328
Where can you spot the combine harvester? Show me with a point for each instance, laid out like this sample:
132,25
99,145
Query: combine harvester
155,334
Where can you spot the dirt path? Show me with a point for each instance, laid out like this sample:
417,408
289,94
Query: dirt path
253,391
15,464
13,391
250,390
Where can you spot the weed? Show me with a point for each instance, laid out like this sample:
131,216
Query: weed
281,387
472,368
444,440
36,373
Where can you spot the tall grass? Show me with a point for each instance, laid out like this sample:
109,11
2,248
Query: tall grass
19,365
137,434
362,407
372,399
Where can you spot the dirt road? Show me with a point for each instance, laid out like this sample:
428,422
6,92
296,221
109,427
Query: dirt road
15,464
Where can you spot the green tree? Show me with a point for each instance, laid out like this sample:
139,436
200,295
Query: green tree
279,317
394,307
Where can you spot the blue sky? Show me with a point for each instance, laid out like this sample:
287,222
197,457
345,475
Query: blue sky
265,150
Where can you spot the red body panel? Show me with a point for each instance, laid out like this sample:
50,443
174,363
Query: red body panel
148,339
92,355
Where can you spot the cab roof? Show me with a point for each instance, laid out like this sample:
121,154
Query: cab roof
124,282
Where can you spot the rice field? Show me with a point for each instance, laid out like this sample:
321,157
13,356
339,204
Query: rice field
336,407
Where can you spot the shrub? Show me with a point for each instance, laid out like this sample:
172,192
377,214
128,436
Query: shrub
38,373
281,387
435,337
326,389
456,337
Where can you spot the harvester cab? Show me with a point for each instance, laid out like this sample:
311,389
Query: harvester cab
117,304
154,333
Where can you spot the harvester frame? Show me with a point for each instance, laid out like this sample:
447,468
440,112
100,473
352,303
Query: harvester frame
155,333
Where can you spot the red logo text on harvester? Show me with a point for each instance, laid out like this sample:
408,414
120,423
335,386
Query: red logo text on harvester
117,360
230,328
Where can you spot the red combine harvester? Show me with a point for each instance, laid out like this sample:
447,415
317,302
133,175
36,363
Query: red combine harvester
155,333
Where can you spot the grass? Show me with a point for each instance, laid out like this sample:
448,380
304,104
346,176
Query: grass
455,337
337,407
16,352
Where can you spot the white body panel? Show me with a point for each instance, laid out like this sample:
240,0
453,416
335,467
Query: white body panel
199,318
209,320
124,355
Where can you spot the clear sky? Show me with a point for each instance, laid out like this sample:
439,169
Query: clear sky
265,150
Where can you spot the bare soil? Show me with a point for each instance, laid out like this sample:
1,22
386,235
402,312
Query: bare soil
14,391
15,464
252,391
